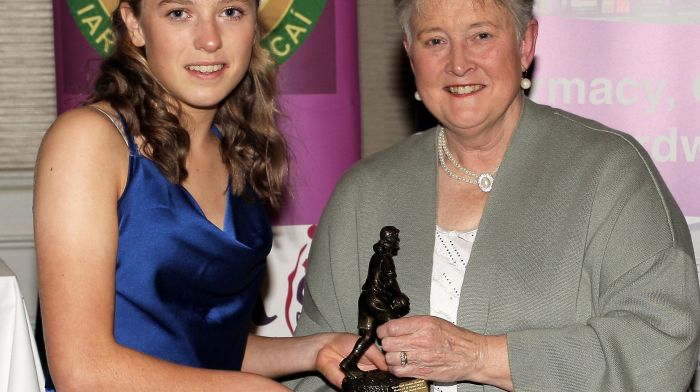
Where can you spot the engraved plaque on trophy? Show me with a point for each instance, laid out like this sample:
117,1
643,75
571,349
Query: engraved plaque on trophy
381,300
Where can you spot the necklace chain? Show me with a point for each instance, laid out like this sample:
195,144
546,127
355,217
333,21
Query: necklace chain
484,180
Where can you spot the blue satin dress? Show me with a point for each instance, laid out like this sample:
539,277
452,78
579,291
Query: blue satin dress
185,289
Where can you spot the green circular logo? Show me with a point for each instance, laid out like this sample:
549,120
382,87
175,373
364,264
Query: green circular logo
288,23
92,17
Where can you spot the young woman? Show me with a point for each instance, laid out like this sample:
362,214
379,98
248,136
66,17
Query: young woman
150,212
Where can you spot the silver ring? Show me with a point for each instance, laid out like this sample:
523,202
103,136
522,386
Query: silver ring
404,358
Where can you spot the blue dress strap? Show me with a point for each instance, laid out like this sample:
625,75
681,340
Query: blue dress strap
133,148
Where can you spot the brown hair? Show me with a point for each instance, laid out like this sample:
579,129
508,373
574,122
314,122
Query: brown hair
252,146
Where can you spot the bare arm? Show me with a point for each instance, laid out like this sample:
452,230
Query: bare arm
323,352
81,171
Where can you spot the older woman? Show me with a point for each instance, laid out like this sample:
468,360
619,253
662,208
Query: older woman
541,251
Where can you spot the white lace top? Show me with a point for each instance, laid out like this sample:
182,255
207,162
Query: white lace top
450,258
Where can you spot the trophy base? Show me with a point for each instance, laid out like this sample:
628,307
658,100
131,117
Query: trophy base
379,381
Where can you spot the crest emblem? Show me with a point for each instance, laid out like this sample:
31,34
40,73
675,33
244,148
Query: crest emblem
93,19
287,23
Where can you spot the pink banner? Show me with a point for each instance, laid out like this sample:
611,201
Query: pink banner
639,77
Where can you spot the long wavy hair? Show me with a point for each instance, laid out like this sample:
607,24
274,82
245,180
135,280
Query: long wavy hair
252,146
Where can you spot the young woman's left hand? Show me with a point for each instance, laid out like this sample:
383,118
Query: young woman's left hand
336,348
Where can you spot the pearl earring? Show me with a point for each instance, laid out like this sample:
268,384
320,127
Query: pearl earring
417,96
525,83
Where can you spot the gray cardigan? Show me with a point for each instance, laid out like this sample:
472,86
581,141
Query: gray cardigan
582,257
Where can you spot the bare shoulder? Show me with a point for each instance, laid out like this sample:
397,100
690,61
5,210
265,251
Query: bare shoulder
83,125
85,142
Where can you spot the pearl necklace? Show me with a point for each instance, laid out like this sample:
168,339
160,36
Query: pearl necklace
483,180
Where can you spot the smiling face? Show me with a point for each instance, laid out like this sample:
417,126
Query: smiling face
468,62
199,50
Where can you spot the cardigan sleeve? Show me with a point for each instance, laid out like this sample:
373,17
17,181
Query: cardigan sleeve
644,328
643,339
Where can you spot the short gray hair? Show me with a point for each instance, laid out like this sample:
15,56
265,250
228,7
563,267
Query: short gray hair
520,10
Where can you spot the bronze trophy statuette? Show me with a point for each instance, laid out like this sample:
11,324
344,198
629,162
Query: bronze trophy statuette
380,301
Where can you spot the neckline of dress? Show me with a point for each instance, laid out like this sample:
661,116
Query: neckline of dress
467,235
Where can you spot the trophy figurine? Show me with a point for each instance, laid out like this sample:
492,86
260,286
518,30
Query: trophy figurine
380,301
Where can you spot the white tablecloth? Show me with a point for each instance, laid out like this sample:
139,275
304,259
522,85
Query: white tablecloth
20,368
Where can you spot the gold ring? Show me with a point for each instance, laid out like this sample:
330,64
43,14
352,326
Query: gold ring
404,358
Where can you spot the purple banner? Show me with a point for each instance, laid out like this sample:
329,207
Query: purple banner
321,107
318,84
77,62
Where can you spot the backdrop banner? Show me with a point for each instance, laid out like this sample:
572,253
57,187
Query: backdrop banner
315,43
631,65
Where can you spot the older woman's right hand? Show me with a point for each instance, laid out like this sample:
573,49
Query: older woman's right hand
437,350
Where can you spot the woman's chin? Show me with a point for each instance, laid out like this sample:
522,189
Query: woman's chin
204,104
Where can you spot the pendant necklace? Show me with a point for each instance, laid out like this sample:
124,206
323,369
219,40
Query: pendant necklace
483,180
